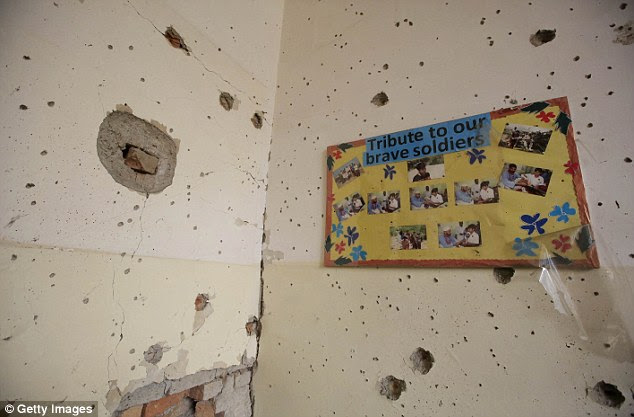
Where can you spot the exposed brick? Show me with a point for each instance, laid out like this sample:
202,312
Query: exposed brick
205,409
206,391
141,161
158,407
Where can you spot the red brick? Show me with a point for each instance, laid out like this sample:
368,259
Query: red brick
205,409
155,408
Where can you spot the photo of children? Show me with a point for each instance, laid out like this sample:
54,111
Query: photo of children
525,179
459,234
385,202
347,172
428,196
349,206
477,191
408,237
525,138
427,168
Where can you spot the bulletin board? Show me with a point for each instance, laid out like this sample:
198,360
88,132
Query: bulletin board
495,189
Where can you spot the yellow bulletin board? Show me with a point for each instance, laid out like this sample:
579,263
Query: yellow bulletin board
497,189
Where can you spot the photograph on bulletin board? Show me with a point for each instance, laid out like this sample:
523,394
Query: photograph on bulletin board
495,189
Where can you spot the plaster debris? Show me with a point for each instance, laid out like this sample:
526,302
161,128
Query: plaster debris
257,119
253,327
226,100
203,310
175,39
503,275
201,302
606,394
542,36
137,154
154,354
624,34
392,387
422,360
380,99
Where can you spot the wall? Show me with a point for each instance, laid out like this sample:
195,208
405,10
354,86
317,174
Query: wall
93,274
331,334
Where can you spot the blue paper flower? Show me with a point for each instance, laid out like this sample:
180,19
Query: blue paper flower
476,155
358,253
524,247
562,212
533,223
338,229
352,235
389,171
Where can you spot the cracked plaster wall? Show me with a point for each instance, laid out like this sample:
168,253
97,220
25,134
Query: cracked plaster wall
92,273
331,334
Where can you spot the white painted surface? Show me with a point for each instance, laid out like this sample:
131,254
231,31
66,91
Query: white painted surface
222,162
331,334
202,234
74,320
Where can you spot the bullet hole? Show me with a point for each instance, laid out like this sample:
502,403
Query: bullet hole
253,327
51,275
137,154
51,103
153,354
385,66
588,76
624,34
14,257
201,302
131,47
503,275
421,63
490,314
380,99
29,185
623,6
590,125
422,360
33,202
257,119
126,271
26,58
628,160
86,300
23,107
542,36
392,387
226,100
44,153
175,39
110,47
606,394
576,58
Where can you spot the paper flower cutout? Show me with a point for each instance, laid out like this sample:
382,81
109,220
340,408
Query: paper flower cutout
571,167
358,253
562,212
337,154
562,243
340,247
545,117
476,155
524,247
337,229
389,171
533,223
352,235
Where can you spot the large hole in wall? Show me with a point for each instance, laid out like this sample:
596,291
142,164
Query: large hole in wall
137,154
